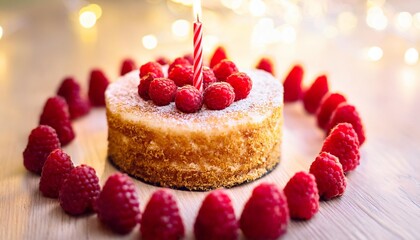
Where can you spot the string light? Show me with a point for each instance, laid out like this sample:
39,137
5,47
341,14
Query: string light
181,28
411,56
1,32
376,18
87,19
375,53
257,8
150,41
403,21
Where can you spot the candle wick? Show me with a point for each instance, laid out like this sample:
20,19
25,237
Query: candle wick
198,18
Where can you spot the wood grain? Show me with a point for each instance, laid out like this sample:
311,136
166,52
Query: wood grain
382,200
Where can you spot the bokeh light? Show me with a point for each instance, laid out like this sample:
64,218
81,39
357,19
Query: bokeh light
375,53
1,32
181,28
411,56
403,21
150,41
87,19
376,18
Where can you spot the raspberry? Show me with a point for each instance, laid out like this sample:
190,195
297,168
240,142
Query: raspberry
127,66
347,113
188,99
329,176
218,55
161,219
71,92
97,85
208,77
162,91
241,83
79,190
216,218
182,75
151,67
302,196
42,140
219,95
162,60
313,96
56,168
178,61
56,114
144,85
293,84
189,57
266,64
327,106
118,206
344,144
224,69
265,215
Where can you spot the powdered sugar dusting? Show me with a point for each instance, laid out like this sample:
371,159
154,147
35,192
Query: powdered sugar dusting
266,94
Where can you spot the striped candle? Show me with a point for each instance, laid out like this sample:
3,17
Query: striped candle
198,52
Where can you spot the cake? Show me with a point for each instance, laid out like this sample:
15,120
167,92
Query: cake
199,151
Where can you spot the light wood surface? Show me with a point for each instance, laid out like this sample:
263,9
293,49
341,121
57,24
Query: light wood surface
382,200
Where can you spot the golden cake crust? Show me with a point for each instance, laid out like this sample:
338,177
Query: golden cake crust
200,151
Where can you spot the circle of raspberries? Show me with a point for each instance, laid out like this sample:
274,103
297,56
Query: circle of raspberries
79,190
118,206
161,218
265,215
216,218
56,169
302,196
41,142
329,176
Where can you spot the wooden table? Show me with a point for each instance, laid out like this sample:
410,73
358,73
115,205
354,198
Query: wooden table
382,200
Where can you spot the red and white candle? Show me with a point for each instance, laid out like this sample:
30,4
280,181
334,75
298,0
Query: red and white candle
198,47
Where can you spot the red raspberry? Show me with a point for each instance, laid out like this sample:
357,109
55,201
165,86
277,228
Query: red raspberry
293,84
118,206
162,60
98,83
329,176
161,219
219,95
127,66
56,168
188,99
302,196
41,142
216,218
162,91
344,144
313,96
182,75
224,69
151,67
265,215
56,114
241,83
347,113
327,106
71,92
189,57
144,85
266,64
178,61
208,77
218,55
79,190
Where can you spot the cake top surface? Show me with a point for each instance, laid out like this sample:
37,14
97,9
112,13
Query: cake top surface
122,99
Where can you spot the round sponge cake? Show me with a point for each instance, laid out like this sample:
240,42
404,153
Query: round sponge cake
199,151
